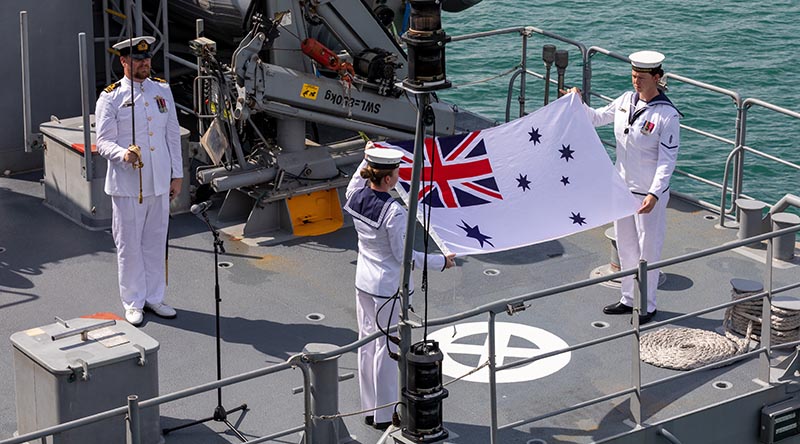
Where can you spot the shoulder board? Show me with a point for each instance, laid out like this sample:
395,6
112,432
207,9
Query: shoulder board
112,86
157,79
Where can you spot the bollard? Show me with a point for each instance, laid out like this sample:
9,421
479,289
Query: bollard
562,60
746,286
325,397
784,245
613,258
750,218
548,57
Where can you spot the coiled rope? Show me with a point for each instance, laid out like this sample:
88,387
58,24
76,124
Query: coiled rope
784,323
690,348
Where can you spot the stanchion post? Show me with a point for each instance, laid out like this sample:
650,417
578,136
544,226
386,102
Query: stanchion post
134,432
639,307
492,377
323,389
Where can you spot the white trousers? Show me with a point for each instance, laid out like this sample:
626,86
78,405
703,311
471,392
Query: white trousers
377,372
641,236
140,234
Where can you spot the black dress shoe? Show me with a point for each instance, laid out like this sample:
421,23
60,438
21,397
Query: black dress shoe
644,319
369,420
382,425
617,309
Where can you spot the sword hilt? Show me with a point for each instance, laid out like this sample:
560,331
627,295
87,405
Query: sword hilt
138,165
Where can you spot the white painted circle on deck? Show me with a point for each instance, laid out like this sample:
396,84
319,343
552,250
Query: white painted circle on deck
527,342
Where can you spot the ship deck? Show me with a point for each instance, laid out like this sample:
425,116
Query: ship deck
51,267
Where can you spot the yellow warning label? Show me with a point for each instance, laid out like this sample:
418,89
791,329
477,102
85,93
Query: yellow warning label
309,91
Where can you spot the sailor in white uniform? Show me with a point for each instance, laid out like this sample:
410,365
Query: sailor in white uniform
647,129
140,229
380,222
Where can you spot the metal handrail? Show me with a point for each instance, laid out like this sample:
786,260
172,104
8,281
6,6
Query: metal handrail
737,152
631,332
525,32
765,295
739,125
302,360
491,308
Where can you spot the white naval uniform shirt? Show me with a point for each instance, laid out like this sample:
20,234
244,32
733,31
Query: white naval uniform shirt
157,134
380,222
647,140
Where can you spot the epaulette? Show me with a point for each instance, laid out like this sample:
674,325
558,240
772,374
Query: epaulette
157,79
112,86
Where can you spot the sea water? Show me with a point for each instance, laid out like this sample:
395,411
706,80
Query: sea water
747,47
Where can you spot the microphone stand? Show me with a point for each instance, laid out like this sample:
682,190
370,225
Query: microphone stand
220,413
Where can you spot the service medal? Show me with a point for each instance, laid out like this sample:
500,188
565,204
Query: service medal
162,104
647,127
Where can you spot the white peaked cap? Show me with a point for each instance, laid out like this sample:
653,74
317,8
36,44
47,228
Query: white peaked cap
138,47
646,60
384,158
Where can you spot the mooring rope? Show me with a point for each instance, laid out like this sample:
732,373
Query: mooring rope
784,323
690,348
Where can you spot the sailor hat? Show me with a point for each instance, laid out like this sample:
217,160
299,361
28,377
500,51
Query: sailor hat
138,47
646,61
384,158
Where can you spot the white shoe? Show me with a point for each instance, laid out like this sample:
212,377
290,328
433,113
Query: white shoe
134,315
161,310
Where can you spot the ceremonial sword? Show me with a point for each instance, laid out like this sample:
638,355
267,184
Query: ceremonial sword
138,164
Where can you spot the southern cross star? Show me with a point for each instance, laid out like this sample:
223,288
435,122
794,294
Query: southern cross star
566,152
577,219
475,233
523,182
535,136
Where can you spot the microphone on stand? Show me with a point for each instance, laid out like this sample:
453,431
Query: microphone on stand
201,207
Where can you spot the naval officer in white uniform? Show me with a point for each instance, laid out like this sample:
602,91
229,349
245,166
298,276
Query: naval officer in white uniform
647,129
380,222
140,228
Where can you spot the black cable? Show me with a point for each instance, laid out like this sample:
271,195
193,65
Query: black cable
389,338
426,218
323,179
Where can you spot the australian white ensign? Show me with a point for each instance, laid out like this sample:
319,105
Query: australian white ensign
537,178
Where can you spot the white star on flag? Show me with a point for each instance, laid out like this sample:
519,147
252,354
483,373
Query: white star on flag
538,178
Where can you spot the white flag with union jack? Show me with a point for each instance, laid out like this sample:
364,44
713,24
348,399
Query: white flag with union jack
537,178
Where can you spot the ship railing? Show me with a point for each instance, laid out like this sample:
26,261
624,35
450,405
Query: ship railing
735,159
764,351
736,156
134,405
303,361
734,164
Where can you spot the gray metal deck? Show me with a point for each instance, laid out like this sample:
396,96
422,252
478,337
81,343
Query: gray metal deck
52,267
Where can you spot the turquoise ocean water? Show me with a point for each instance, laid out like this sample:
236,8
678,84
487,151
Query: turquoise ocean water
747,47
